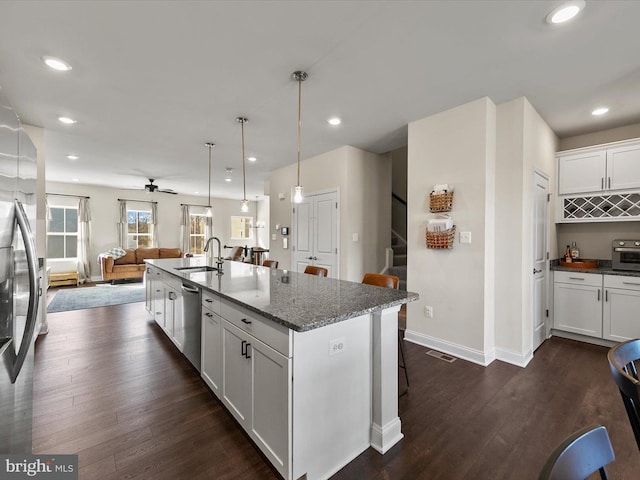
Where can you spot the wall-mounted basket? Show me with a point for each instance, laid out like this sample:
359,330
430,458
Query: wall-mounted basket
440,202
442,239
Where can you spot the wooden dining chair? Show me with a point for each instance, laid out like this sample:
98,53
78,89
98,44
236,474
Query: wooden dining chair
624,362
580,455
390,281
271,264
236,254
313,270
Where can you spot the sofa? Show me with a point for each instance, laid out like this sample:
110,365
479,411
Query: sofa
132,264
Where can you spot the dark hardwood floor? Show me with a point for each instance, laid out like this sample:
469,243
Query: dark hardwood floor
111,387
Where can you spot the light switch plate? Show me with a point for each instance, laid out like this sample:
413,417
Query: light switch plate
274,236
356,237
465,237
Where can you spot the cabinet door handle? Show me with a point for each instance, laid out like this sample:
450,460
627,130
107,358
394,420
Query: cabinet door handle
243,348
209,314
158,291
245,321
536,271
172,296
606,295
630,283
601,183
576,278
609,183
598,295
208,300
246,351
309,258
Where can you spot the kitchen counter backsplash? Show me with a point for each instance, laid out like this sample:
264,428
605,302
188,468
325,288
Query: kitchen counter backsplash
604,268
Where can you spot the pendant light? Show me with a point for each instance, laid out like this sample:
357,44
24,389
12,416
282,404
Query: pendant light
209,211
298,191
245,203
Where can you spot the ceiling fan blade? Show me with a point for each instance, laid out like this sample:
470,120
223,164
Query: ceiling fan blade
168,191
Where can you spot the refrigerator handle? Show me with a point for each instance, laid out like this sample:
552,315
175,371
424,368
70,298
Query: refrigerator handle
32,309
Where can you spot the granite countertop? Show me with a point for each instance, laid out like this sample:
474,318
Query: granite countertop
604,268
298,301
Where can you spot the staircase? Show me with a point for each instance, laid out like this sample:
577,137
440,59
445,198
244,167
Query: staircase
399,268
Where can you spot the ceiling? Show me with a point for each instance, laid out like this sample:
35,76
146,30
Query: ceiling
153,81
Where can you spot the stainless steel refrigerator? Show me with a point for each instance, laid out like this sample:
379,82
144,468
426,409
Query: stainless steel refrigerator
19,283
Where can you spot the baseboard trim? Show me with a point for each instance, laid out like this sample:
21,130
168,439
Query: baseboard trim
583,338
460,351
514,358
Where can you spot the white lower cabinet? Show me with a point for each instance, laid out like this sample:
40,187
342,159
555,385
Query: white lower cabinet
621,306
211,366
596,305
577,303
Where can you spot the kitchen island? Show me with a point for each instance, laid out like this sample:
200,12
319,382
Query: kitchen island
308,366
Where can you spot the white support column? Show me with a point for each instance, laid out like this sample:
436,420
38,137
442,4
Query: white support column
385,423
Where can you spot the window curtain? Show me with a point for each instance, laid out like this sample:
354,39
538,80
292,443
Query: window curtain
154,221
208,232
84,237
122,223
185,228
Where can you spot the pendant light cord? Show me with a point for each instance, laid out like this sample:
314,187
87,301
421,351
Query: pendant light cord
299,122
209,145
244,181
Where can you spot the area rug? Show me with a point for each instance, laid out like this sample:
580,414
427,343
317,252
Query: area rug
98,296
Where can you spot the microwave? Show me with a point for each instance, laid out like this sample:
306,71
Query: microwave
625,255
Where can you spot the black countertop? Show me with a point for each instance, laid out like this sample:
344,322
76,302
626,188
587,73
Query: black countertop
298,301
604,268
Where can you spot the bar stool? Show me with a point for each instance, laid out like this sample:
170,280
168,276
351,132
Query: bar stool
270,263
313,270
389,281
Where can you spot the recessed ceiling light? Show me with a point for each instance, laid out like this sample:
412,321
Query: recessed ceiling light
600,111
565,12
75,179
252,159
73,157
56,64
67,120
227,179
196,193
334,121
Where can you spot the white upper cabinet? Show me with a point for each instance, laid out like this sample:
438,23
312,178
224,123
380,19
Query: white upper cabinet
623,168
581,173
600,170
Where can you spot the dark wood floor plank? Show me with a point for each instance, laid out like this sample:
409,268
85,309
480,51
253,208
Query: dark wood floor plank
112,388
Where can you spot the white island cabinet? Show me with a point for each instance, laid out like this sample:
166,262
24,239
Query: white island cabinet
308,366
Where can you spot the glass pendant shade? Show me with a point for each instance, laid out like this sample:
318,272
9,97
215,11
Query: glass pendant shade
297,194
208,212
245,206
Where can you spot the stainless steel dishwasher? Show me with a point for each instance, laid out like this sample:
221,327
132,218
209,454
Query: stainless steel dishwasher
191,304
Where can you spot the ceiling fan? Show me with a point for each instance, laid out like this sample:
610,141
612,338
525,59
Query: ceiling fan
152,187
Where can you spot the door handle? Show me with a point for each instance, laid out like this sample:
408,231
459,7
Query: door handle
32,308
309,258
536,271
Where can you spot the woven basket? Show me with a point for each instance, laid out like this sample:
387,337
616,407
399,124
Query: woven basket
441,240
440,202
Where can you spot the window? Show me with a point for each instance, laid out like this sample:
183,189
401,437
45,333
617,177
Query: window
139,229
62,232
241,228
196,234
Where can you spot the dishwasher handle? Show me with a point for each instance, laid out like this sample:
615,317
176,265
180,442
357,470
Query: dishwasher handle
188,289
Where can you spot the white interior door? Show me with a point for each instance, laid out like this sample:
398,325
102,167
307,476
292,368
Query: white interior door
315,233
540,263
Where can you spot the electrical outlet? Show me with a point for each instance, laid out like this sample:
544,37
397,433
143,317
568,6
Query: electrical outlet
428,311
337,345
465,237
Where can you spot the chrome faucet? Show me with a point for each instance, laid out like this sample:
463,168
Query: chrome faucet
219,261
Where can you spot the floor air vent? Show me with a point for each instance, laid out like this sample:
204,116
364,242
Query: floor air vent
441,356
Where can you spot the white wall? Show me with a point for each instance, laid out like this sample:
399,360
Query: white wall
363,182
456,147
37,136
104,211
603,136
525,143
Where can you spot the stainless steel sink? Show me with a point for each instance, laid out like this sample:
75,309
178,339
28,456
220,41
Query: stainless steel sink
201,268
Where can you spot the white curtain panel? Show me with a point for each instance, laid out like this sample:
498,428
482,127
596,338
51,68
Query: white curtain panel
122,224
154,221
208,232
84,237
185,228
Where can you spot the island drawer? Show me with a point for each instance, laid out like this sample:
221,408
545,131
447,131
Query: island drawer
211,301
618,281
273,334
578,278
